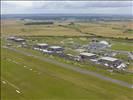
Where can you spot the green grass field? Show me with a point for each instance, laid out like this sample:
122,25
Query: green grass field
84,40
124,46
44,81
127,77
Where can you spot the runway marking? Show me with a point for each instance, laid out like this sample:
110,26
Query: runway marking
25,66
15,62
18,91
3,82
11,84
39,73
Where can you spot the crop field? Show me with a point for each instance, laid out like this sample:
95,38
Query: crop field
27,78
16,27
105,29
109,29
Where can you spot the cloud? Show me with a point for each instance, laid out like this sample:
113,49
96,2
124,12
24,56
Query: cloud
81,4
110,4
67,6
16,4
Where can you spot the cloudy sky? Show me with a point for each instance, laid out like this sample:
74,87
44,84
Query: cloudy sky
84,7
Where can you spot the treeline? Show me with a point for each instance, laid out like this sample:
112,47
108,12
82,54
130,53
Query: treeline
39,23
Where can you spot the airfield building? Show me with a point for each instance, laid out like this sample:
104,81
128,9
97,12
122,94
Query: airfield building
45,51
73,57
98,45
11,38
56,49
19,40
86,55
16,39
111,62
40,46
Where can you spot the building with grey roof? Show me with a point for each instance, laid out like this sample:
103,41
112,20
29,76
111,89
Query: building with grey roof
96,46
56,49
86,55
40,46
111,62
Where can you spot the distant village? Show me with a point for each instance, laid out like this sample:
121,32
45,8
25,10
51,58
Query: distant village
87,53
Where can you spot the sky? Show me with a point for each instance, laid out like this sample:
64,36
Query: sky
80,7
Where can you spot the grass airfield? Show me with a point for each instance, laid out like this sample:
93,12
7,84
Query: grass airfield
28,78
38,80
